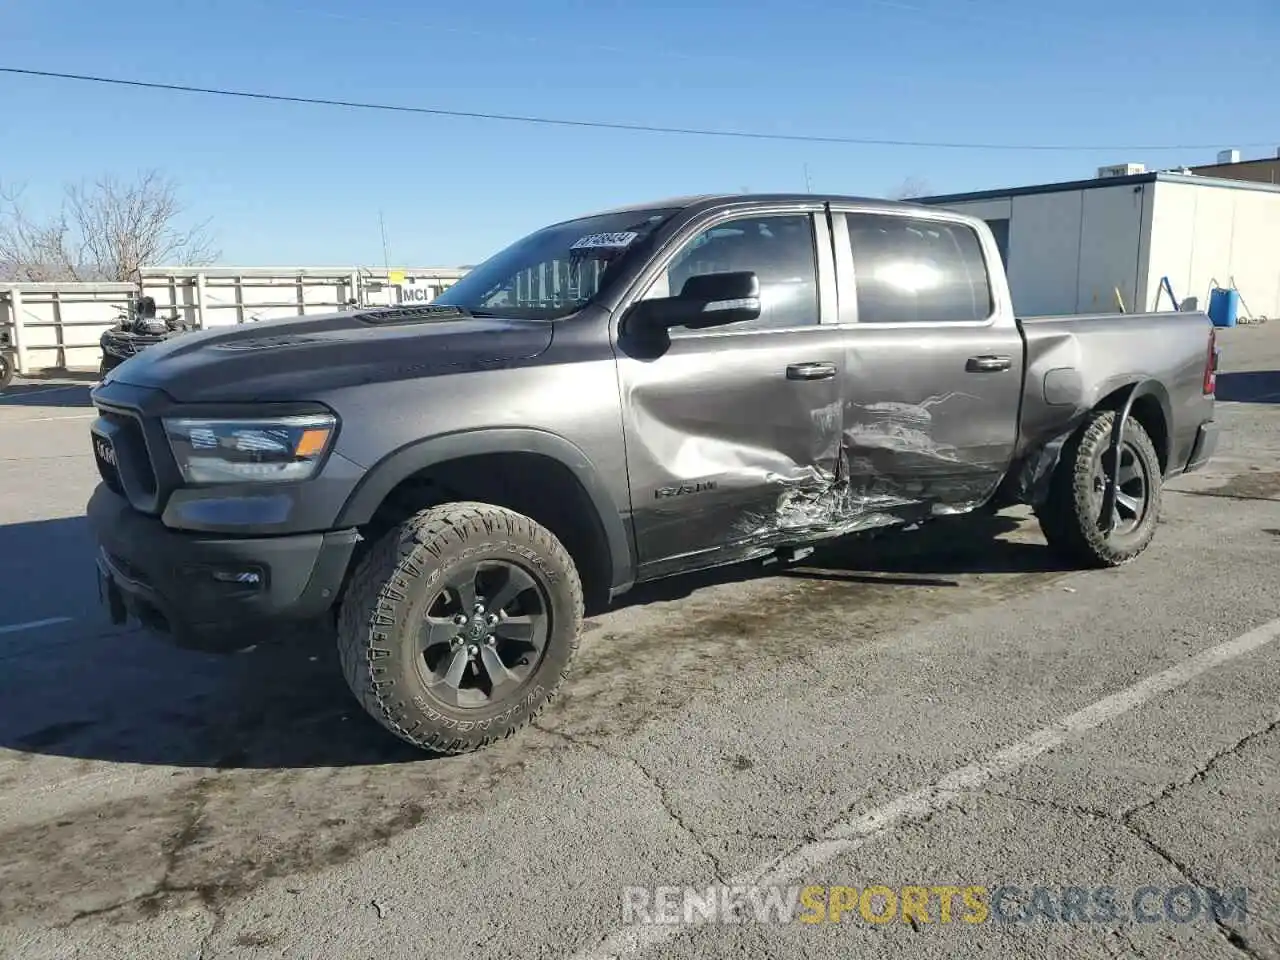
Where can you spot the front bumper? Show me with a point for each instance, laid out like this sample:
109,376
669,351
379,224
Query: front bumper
1206,444
206,591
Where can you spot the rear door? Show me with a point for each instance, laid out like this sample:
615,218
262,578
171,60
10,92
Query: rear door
733,433
934,357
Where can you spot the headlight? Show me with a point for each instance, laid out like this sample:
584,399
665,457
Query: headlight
234,451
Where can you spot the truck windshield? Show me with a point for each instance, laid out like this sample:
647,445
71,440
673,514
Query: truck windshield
554,271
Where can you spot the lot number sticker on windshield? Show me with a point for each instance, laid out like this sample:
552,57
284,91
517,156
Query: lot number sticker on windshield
605,241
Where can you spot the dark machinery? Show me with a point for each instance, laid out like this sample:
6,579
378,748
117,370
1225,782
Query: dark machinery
8,359
136,330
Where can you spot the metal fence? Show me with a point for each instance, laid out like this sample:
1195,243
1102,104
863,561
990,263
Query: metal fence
56,326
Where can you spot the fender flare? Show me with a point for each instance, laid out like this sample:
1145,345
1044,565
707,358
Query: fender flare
382,477
1029,482
1131,394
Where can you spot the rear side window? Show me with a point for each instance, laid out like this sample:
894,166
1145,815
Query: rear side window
908,270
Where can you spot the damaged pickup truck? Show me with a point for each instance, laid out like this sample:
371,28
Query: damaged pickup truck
615,399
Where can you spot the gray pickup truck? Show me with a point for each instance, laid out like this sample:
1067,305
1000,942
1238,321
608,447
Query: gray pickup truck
614,399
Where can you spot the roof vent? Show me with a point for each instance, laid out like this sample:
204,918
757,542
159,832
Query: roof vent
1228,156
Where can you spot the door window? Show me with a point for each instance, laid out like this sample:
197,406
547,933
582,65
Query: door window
908,269
780,249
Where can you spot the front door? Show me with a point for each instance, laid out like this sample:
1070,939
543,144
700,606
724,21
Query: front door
731,431
934,360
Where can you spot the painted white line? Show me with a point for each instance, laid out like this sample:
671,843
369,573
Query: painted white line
40,393
33,624
70,416
852,832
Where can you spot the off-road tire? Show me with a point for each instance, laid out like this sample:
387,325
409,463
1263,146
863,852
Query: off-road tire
1067,516
386,600
6,371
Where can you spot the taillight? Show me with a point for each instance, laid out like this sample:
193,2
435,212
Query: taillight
1211,365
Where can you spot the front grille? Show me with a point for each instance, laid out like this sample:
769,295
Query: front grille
139,467
133,475
109,472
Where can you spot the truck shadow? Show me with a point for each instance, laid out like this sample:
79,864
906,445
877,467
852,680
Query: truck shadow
932,556
55,390
83,688
87,690
1252,386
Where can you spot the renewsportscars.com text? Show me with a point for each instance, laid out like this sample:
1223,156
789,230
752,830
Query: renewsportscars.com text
930,904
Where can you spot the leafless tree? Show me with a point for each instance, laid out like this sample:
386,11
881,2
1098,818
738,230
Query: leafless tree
911,188
29,250
109,229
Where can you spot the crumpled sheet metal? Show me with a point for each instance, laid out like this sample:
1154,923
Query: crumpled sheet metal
830,480
902,428
856,495
690,454
820,504
1031,485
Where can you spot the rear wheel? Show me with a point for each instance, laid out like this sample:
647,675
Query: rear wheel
1071,517
459,625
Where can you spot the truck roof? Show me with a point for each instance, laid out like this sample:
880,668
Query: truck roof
727,199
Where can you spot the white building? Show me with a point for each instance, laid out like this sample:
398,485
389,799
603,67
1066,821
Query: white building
1072,247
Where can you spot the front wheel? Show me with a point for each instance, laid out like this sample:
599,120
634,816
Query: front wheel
6,370
1071,517
459,626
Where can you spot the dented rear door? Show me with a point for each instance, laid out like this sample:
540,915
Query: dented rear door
733,433
934,362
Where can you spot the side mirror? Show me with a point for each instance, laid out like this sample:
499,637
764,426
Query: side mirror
709,300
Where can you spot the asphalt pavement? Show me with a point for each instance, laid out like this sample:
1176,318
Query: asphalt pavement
933,744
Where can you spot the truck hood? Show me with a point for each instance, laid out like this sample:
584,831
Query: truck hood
288,358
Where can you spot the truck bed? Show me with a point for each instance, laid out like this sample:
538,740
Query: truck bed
1073,363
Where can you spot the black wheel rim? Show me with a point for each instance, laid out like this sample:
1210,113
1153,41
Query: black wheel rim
1133,490
484,634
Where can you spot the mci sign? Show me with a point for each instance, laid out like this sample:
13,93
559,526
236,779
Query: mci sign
425,292
417,294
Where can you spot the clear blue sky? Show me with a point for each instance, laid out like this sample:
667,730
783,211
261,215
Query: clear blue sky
294,184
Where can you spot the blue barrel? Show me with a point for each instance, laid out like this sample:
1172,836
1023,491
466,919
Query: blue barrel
1224,305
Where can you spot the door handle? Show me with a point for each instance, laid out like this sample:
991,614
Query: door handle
987,364
811,371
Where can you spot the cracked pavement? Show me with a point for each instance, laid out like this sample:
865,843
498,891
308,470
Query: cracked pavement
162,804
